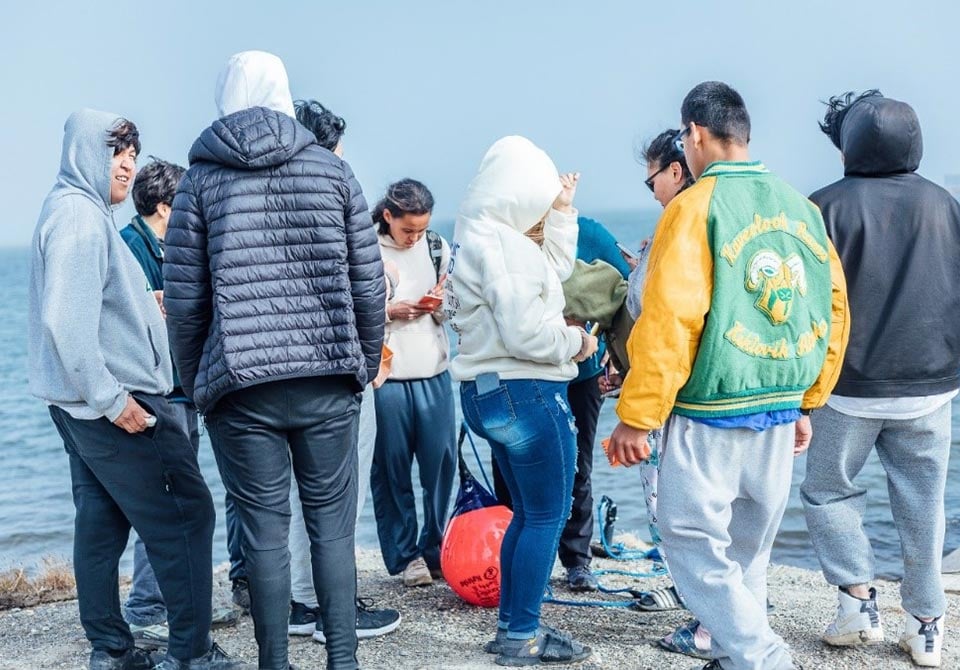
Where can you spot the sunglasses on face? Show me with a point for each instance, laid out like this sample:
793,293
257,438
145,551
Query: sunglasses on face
678,138
649,180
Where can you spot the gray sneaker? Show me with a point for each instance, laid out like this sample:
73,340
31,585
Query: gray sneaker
215,659
131,659
580,578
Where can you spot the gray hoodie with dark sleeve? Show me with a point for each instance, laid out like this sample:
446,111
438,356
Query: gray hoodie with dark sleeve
95,330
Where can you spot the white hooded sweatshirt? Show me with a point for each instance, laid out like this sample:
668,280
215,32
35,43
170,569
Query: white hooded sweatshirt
503,295
253,79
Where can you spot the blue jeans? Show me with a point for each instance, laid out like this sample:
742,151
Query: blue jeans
532,433
145,606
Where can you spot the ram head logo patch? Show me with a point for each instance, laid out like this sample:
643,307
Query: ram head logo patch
776,280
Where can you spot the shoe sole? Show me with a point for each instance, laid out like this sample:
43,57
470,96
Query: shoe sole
423,580
922,659
301,629
363,633
860,638
515,662
583,588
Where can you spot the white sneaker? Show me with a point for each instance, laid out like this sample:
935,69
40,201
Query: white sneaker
923,641
417,573
857,622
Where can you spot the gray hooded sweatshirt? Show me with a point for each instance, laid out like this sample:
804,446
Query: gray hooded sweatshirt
95,330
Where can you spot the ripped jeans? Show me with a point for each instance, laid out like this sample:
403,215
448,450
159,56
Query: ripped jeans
532,433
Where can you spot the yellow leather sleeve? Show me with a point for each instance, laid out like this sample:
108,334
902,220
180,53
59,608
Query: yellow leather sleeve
676,298
816,396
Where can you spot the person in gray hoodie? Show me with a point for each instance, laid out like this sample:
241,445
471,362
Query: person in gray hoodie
131,463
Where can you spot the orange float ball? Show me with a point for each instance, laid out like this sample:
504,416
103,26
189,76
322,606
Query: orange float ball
470,554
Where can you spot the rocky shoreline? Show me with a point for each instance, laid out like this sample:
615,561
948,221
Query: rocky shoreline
439,631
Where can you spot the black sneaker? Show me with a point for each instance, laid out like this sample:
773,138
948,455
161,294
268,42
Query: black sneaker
215,659
303,620
131,659
371,622
241,593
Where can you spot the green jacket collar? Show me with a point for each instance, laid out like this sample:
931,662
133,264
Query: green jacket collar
149,237
734,167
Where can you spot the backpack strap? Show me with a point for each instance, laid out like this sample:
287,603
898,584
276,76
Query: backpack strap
435,242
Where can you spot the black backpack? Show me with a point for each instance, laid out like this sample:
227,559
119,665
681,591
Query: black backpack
435,242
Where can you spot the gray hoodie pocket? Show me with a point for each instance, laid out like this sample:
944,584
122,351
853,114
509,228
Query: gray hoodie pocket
157,360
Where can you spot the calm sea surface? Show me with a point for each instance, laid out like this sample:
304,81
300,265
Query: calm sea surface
36,511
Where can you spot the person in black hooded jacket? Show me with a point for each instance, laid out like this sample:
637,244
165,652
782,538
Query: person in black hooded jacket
274,294
898,237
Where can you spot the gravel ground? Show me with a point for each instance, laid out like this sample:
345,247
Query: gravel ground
440,631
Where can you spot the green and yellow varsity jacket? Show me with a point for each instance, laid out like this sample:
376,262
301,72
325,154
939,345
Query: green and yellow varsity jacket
744,305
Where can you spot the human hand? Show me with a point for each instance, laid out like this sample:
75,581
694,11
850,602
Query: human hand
628,446
588,347
406,310
133,418
158,295
632,261
610,382
804,430
564,201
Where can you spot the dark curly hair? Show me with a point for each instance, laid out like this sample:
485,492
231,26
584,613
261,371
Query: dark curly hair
124,134
156,183
662,150
407,196
837,108
324,124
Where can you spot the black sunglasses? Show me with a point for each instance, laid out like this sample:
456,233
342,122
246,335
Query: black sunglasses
649,180
678,138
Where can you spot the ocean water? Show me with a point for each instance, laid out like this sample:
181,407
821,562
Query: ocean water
36,510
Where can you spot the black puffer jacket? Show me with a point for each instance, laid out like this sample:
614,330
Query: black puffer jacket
898,237
272,269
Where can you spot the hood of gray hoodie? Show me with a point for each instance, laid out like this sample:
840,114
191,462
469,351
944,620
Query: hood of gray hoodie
85,157
880,136
251,139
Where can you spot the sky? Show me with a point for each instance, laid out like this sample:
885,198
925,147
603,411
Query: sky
426,87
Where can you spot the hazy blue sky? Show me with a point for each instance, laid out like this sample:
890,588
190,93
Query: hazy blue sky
425,87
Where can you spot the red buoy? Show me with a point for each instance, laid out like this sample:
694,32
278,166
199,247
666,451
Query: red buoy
470,554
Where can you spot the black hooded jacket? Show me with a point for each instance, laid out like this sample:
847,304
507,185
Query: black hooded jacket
898,237
272,268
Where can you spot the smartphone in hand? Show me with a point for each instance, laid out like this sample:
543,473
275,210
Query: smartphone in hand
626,252
430,302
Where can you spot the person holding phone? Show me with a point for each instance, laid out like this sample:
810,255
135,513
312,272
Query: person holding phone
415,410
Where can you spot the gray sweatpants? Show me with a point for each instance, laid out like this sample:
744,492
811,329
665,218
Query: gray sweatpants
914,454
722,493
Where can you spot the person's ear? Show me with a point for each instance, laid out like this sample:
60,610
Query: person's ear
696,135
676,172
163,209
387,216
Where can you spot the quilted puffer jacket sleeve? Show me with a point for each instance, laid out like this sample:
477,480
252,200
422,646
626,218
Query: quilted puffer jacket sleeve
366,274
186,284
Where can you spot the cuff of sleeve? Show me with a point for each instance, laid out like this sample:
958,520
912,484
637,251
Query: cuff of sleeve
574,342
557,219
116,409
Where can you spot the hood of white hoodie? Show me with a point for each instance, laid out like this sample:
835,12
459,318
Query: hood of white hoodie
253,79
515,185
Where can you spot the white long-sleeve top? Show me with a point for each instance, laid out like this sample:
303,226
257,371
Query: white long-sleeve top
503,294
420,347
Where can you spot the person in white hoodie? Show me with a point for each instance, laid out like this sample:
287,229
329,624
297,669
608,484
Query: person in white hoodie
416,416
516,356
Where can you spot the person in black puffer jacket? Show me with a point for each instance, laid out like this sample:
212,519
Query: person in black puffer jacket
274,293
